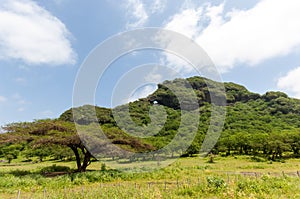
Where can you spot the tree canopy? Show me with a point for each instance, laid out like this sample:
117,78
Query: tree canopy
62,133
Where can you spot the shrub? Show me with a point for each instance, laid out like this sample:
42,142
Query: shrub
248,185
19,172
215,183
103,167
55,168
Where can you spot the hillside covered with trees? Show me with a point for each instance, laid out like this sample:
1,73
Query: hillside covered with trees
266,126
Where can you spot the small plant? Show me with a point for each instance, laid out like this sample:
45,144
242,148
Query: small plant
248,185
103,167
215,183
9,158
211,158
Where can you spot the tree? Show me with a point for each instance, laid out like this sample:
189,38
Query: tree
11,151
40,152
49,132
258,142
293,139
44,133
277,145
227,143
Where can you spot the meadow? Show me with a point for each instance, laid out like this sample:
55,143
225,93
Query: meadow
194,177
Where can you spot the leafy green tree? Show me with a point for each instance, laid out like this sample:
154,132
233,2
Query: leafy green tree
258,142
293,139
277,145
61,153
46,133
227,143
40,152
49,132
10,152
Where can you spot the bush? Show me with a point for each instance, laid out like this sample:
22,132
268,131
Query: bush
19,172
215,183
103,167
248,185
55,168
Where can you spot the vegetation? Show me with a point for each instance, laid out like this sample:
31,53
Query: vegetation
229,177
267,125
40,137
264,129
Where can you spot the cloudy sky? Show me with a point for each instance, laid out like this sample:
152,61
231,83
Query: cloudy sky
43,44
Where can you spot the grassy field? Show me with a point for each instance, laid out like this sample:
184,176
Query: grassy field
230,177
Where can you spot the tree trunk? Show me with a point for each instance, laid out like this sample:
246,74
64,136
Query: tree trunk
295,150
228,151
241,150
86,161
77,156
81,167
265,150
273,156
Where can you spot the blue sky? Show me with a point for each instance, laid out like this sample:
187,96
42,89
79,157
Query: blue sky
43,43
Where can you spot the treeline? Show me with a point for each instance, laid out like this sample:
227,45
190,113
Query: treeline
272,146
11,151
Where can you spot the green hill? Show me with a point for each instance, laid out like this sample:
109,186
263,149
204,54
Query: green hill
181,118
267,125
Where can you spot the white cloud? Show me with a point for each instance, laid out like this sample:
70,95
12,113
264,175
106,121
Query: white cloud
177,64
30,33
158,6
2,99
190,21
140,11
155,76
290,82
142,92
270,29
186,22
137,13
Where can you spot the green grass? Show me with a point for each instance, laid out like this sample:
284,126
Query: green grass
185,178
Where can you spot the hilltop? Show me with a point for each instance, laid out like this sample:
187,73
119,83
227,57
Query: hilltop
267,124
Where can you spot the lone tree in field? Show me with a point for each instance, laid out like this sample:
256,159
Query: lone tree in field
49,132
56,132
